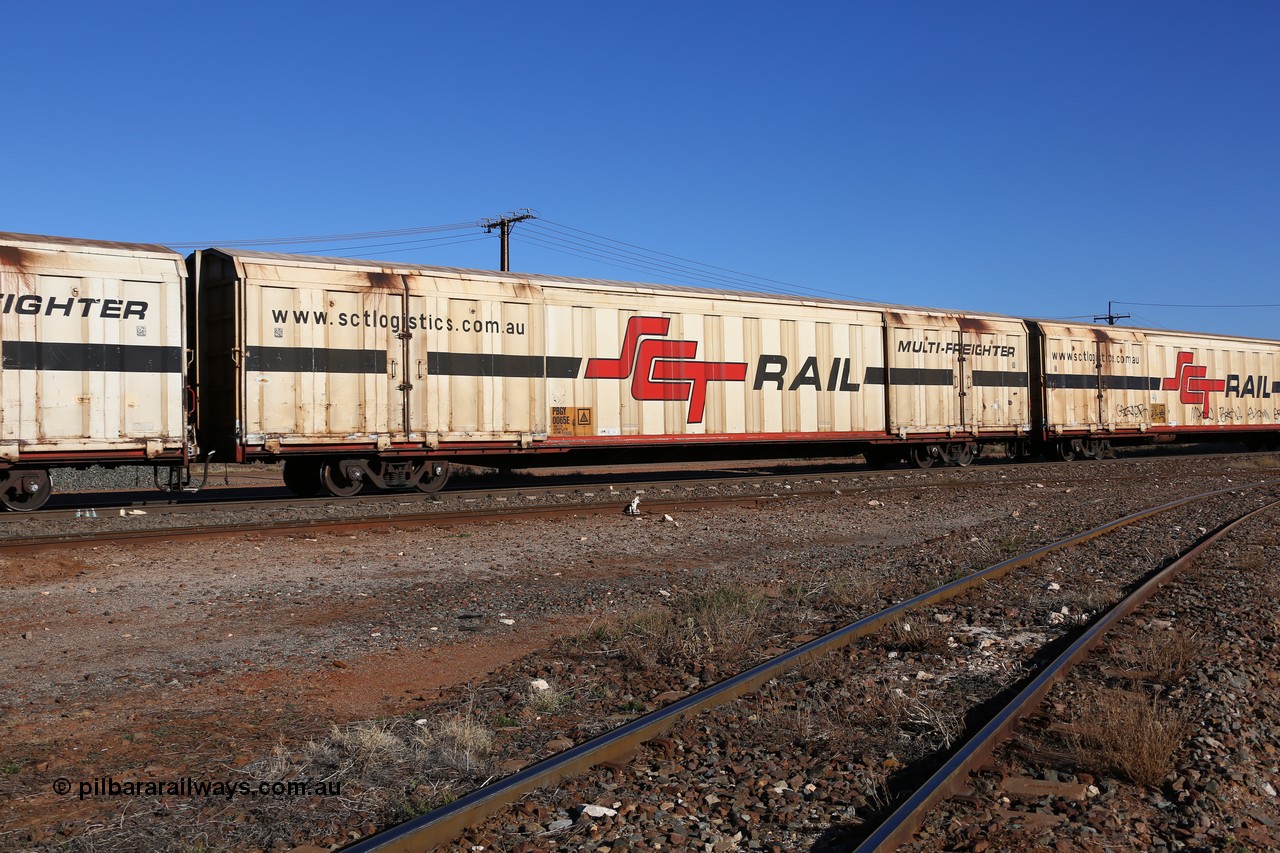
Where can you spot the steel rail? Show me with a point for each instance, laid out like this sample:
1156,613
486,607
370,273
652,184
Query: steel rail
439,517
442,518
863,479
899,827
409,500
448,822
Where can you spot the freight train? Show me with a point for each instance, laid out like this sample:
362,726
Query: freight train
356,374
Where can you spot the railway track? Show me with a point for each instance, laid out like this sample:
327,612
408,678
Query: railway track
617,747
148,519
261,488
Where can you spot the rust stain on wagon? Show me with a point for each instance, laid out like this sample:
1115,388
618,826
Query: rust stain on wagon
386,281
527,290
17,263
977,325
1100,334
14,259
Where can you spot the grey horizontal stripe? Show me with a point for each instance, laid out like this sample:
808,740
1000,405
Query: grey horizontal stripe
1131,383
496,364
1091,381
315,360
943,376
109,358
1071,380
1000,378
321,360
921,376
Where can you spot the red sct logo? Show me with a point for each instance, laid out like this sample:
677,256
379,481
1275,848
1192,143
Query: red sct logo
1189,381
664,369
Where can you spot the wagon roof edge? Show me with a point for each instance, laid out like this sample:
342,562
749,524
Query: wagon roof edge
1147,330
543,278
44,241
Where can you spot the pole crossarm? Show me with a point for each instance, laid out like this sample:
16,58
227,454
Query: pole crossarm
503,224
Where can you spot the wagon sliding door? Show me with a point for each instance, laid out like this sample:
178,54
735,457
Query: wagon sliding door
322,365
477,367
994,377
1124,383
923,390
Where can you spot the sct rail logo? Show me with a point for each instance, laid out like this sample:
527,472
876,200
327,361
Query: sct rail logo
664,369
1188,380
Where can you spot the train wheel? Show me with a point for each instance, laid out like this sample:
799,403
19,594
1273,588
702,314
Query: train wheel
302,477
23,491
342,478
924,455
434,477
962,454
1093,449
1065,450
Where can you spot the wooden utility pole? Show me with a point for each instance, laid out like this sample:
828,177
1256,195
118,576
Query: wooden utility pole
1110,316
503,224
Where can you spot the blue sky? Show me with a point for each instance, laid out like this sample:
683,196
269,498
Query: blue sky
1028,158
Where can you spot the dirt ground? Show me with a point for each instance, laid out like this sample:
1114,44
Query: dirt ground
191,658
196,658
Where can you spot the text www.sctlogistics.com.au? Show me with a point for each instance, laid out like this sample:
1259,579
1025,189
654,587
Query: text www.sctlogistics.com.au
229,789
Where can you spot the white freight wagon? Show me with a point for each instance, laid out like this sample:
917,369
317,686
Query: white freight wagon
359,371
1103,383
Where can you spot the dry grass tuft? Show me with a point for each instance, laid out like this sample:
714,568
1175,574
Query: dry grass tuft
377,758
1084,602
1130,734
367,744
461,741
1259,461
1168,656
851,588
916,633
722,626
549,701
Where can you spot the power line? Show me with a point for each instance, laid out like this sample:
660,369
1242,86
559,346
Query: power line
418,245
615,261
411,244
322,238
676,257
652,260
1164,305
1151,323
630,260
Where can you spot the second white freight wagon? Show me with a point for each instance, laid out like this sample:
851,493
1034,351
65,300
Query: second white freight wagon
362,372
1107,384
